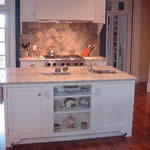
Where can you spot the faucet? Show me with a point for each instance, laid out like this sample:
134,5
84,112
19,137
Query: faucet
89,66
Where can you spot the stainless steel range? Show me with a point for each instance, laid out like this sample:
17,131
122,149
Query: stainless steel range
69,60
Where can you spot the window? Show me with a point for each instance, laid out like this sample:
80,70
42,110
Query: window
7,34
2,41
2,2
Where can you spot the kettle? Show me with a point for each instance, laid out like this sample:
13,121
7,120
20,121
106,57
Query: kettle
51,53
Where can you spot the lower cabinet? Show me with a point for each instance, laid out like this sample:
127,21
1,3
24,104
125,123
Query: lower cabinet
114,106
68,111
32,64
28,113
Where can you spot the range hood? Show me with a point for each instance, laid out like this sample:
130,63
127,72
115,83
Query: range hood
70,11
63,21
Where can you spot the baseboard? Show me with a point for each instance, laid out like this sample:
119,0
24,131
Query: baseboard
141,79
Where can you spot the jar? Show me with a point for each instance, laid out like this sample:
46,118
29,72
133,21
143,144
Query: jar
83,103
57,127
84,125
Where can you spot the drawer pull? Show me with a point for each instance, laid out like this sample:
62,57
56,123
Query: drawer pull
32,65
39,94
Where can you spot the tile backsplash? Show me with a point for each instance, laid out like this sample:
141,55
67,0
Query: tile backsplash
65,38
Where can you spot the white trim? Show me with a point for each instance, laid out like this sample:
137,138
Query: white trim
9,10
136,37
5,6
128,51
6,41
12,34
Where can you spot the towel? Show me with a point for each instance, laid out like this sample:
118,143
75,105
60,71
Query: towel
85,53
1,95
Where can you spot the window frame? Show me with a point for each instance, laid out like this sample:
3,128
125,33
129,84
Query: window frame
5,5
7,41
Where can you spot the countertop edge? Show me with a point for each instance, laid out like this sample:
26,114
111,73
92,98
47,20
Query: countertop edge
52,82
42,59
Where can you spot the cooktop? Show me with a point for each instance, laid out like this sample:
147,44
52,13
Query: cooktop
64,57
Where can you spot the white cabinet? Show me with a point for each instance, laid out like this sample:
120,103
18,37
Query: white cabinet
38,113
28,113
117,106
28,10
25,111
31,64
65,9
99,11
81,10
114,106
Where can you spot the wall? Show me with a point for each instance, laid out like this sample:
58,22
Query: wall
66,38
144,56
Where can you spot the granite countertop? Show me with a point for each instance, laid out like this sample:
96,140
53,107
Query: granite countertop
42,58
30,75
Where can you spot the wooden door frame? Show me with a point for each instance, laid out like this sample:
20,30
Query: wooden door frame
136,38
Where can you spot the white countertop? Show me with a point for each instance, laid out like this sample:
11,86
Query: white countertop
42,58
30,75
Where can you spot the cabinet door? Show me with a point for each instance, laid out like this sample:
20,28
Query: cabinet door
28,10
25,112
96,108
99,11
65,9
117,106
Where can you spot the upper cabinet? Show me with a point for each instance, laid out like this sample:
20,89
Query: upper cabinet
65,9
28,10
99,11
118,6
80,10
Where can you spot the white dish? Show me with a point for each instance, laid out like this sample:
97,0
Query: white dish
73,89
46,73
61,73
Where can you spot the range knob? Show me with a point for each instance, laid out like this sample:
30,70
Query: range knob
68,64
48,64
54,64
62,64
76,64
81,64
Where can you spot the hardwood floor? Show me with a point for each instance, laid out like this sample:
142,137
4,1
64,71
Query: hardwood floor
139,141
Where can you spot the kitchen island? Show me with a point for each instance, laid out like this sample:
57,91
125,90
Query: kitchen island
80,105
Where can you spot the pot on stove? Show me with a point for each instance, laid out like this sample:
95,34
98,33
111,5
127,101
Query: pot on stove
51,53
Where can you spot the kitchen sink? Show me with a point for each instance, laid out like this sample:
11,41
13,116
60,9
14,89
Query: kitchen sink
104,71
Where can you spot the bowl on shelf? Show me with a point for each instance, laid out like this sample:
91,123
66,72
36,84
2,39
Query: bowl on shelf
70,103
71,89
84,89
83,103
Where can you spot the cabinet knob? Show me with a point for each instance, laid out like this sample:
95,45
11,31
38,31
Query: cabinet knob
39,94
32,65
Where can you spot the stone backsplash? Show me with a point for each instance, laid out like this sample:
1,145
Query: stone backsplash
65,38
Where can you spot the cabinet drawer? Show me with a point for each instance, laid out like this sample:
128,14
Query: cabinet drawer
32,64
